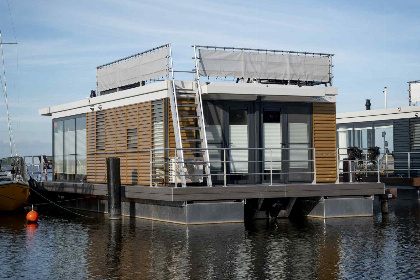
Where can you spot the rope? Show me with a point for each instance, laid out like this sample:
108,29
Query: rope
59,206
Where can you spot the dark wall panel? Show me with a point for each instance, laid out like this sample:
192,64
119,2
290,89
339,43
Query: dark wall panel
401,144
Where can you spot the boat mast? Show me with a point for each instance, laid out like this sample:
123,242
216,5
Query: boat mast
11,140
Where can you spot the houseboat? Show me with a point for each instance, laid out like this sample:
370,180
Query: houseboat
254,130
392,133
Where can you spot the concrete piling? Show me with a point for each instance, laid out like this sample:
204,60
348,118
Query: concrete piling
114,187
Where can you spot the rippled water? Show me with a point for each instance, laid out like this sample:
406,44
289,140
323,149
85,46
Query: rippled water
65,247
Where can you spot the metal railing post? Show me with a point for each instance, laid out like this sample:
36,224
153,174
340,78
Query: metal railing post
350,172
365,164
379,171
314,165
224,167
271,167
337,181
386,163
33,165
151,167
176,171
409,164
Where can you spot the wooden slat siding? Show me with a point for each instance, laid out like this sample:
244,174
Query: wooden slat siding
158,140
401,144
135,167
145,142
324,139
90,146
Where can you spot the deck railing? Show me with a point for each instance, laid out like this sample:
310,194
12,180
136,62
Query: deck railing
39,168
226,165
395,164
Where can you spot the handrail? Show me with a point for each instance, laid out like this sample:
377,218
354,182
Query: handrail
200,114
382,163
225,161
175,116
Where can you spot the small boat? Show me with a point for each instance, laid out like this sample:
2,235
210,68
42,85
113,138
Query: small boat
14,186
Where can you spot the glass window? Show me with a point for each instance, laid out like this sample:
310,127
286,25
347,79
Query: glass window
384,138
238,138
58,149
272,139
81,148
213,115
299,137
70,148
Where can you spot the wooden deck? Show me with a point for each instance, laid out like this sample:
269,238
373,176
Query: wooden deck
221,193
396,181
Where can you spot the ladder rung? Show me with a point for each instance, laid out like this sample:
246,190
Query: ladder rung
185,96
187,105
190,128
188,117
191,140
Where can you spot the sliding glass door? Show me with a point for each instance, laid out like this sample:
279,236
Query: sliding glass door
243,126
239,126
272,141
299,143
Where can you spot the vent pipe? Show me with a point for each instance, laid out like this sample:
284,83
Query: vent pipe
368,104
385,97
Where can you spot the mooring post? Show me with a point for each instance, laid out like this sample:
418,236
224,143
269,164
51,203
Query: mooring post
114,187
385,206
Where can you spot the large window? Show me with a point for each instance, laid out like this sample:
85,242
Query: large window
69,148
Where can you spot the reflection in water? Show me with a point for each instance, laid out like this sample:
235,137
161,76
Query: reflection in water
378,247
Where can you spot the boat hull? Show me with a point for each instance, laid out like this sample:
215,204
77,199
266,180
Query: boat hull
13,195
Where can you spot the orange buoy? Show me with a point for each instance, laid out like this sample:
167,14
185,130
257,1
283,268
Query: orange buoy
32,217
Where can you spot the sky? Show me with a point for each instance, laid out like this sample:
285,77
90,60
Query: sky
60,43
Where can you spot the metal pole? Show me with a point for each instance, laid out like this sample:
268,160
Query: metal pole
379,171
409,94
385,98
337,181
350,171
151,167
33,166
386,162
224,167
365,164
314,165
114,187
271,167
176,172
409,164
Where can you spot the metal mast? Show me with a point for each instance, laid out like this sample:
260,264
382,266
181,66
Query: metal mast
11,140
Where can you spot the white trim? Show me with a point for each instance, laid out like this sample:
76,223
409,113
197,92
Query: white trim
112,100
379,115
268,89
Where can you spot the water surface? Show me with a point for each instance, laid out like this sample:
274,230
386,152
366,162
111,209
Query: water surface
67,247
